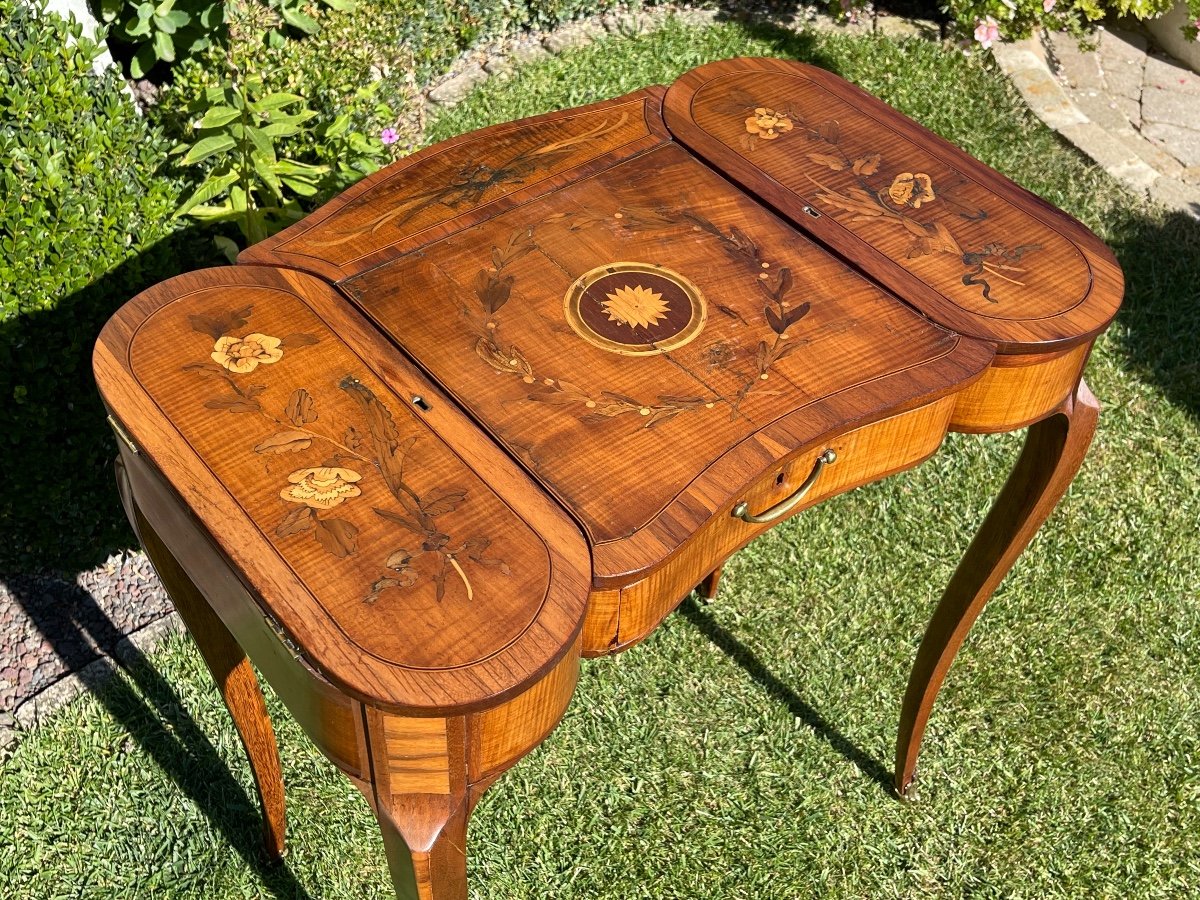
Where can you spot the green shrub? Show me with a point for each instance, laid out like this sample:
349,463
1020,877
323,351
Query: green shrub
173,30
985,22
398,44
79,191
84,225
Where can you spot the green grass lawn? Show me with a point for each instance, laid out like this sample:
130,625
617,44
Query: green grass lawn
743,750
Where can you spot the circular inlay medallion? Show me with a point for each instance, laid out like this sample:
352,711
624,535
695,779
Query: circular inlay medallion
635,309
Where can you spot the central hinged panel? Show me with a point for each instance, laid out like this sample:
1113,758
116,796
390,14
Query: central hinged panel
621,333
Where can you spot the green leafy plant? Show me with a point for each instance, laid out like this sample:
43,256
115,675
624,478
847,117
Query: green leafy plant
165,31
347,152
248,182
173,30
292,13
85,224
241,128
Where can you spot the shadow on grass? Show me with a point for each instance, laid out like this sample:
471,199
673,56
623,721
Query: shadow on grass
61,514
1160,333
59,507
155,717
796,705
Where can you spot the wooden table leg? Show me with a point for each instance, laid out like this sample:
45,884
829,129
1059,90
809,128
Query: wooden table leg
1054,449
708,587
234,676
425,838
422,802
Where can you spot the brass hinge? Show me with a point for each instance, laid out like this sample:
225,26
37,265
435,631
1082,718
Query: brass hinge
122,434
287,642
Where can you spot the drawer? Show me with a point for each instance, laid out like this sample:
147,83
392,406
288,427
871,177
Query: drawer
617,619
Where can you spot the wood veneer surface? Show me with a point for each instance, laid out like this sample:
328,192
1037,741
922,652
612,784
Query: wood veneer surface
289,429
955,238
618,417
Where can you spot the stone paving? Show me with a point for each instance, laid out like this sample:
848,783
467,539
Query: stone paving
1132,109
57,636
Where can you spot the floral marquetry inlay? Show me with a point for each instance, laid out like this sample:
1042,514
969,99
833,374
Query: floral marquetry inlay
767,124
322,487
243,355
317,493
639,309
635,306
873,195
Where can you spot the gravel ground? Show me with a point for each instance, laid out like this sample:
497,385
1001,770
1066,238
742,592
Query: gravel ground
51,627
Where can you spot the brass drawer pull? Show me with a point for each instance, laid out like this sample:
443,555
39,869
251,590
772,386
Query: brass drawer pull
781,509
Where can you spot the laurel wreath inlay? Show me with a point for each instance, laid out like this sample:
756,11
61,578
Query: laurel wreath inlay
493,288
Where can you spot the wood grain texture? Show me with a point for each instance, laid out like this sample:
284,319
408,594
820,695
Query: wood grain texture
1016,391
424,832
490,410
973,250
461,182
214,464
793,344
425,839
1053,452
864,454
498,737
417,755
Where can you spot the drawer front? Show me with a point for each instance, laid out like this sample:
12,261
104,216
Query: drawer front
863,455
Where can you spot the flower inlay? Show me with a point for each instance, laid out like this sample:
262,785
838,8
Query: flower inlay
861,192
635,306
768,124
315,490
243,355
321,487
911,190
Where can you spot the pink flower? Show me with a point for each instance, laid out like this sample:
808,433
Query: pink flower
389,136
1048,5
987,31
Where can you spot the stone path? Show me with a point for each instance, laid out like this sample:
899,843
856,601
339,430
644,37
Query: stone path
1130,108
57,637
497,58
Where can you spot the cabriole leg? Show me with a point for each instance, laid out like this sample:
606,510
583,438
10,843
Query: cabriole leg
1054,449
230,669
425,838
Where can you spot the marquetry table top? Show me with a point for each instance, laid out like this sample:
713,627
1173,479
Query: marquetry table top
534,361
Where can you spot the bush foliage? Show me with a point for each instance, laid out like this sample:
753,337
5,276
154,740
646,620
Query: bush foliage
84,223
79,191
397,44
